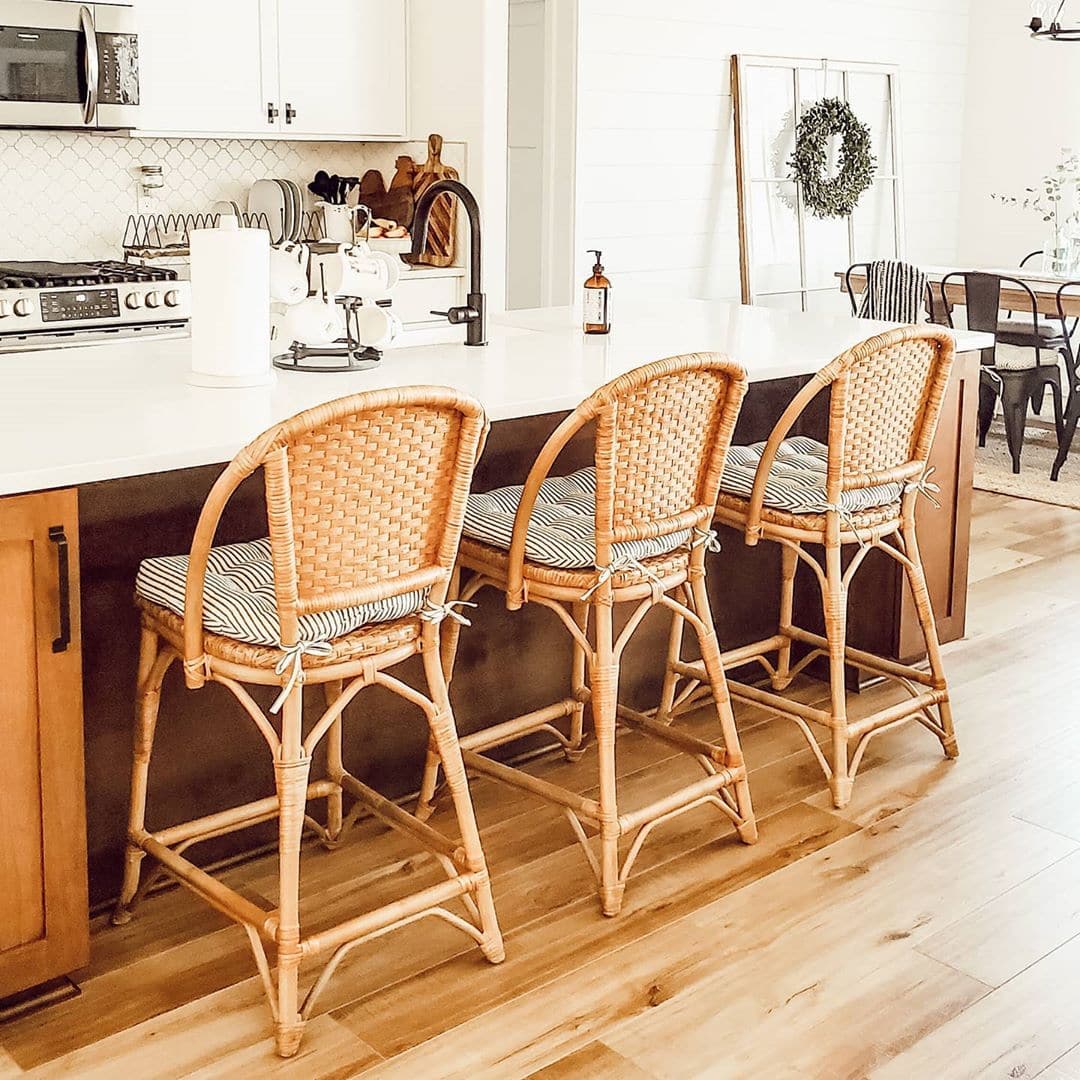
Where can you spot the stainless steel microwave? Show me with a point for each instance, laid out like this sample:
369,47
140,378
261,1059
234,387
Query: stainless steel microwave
68,65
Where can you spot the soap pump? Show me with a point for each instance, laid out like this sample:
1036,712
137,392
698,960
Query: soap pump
597,304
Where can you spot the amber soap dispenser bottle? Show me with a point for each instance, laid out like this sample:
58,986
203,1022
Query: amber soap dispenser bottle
597,305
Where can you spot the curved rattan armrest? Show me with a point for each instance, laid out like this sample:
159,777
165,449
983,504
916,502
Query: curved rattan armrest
239,469
549,454
780,432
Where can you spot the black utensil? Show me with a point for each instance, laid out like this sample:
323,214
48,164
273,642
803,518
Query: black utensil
321,186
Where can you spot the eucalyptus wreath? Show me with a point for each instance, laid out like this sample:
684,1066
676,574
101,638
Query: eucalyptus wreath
832,196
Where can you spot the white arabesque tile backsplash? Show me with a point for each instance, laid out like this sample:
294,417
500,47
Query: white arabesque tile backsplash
68,195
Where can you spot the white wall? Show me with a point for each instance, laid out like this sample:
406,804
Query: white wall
1023,106
457,64
655,150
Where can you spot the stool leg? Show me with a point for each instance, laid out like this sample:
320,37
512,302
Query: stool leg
604,680
671,677
449,636
917,579
835,608
578,687
789,565
714,669
291,774
152,668
335,766
445,738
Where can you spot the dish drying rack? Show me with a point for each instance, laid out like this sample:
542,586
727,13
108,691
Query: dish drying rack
148,237
167,236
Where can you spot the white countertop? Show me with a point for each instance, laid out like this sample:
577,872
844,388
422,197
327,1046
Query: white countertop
78,415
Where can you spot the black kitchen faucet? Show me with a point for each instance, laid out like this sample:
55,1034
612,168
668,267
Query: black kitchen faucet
474,313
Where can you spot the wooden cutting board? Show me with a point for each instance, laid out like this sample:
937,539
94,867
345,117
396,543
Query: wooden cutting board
397,203
442,224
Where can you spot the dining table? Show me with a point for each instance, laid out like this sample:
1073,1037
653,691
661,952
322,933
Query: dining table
1043,284
1057,297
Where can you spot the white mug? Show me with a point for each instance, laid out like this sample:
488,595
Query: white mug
288,273
377,327
311,322
344,273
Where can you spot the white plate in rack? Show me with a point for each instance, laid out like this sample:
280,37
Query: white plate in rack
267,198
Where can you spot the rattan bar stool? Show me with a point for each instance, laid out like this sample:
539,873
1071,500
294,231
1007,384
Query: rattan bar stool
858,492
632,530
365,498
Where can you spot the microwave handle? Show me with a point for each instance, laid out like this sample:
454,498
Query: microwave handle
86,17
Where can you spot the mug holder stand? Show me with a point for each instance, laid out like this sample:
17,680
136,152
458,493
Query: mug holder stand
353,355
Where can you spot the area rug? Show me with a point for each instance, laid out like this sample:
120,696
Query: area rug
993,466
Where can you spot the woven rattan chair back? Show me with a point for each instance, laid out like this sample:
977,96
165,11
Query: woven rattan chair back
365,500
886,399
662,431
886,395
661,437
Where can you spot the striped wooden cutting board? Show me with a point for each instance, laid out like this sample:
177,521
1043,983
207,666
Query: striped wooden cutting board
442,224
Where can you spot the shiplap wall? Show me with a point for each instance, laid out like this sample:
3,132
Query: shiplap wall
656,176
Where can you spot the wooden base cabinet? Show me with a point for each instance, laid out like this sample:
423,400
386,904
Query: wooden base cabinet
44,925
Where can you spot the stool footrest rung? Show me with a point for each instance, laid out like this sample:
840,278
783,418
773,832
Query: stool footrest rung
778,702
869,661
393,815
585,808
388,916
675,737
893,713
744,654
236,817
226,900
518,726
683,798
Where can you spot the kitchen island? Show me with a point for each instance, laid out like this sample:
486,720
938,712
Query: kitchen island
118,431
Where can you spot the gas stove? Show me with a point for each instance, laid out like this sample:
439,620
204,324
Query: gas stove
44,304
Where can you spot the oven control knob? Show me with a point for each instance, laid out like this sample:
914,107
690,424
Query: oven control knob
133,301
153,299
23,307
4,312
172,298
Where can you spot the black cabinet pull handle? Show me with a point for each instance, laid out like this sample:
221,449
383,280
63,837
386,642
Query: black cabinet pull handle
58,537
272,112
290,113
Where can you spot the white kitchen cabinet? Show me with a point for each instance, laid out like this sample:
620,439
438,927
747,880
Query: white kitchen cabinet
209,66
342,65
298,68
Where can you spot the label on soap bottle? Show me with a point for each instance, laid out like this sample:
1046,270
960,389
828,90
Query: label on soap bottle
596,307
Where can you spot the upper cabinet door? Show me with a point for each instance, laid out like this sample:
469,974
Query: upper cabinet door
343,68
209,66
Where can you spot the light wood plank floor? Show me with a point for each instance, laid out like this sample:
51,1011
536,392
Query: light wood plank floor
932,929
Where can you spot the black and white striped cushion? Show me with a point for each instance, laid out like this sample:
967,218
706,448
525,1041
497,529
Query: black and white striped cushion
796,482
562,531
895,292
239,603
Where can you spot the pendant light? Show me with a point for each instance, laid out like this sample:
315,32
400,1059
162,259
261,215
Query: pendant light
1046,22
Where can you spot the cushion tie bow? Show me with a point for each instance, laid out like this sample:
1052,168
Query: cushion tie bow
292,660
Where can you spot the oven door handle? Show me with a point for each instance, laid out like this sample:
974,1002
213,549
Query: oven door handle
89,29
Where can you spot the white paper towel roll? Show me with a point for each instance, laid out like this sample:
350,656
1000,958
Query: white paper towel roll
230,306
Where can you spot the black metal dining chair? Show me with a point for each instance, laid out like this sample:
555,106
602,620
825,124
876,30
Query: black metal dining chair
1072,408
895,291
1016,386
